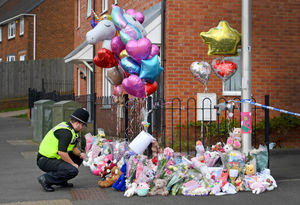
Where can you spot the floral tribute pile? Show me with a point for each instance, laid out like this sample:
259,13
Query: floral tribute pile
217,170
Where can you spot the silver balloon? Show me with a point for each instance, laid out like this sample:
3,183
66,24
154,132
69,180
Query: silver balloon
201,71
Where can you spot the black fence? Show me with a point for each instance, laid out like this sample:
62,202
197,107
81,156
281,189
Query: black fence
173,123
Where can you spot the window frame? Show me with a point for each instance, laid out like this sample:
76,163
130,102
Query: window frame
104,6
22,23
0,33
89,8
106,90
78,13
11,30
239,71
21,56
10,57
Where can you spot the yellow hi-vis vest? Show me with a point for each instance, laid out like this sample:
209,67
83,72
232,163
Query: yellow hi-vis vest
49,145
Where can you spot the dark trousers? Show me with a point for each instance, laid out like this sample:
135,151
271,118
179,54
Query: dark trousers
57,170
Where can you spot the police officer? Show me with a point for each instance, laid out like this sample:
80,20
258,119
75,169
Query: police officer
58,155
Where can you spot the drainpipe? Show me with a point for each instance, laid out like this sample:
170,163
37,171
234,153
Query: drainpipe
161,86
93,84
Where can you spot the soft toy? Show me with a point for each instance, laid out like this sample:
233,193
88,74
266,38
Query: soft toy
107,169
258,187
228,148
160,187
235,138
250,170
239,184
224,177
120,183
109,181
199,150
155,148
142,189
131,190
104,159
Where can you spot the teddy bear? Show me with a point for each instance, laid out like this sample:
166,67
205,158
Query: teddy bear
155,148
235,138
107,169
250,170
131,190
239,184
160,187
109,181
120,183
101,163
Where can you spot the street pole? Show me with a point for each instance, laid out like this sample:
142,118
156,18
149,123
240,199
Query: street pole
246,69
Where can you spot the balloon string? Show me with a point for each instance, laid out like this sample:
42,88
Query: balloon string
95,15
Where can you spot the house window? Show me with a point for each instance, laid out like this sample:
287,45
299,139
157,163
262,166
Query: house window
89,8
106,90
22,57
0,34
11,58
11,30
106,84
78,13
0,59
104,5
21,26
233,85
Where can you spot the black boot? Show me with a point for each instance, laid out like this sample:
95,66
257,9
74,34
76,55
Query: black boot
47,187
66,184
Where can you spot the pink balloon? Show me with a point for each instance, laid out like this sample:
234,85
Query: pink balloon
154,51
117,45
118,89
134,86
140,49
138,15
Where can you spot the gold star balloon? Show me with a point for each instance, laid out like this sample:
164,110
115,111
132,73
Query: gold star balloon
222,40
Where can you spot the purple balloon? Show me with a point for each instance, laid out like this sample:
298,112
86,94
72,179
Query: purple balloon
154,51
140,49
117,45
134,86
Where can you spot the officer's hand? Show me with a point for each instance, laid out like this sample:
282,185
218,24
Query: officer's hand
82,155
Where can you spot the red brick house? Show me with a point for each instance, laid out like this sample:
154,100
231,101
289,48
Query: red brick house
36,29
275,47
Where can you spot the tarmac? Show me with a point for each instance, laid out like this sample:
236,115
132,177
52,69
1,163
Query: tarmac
19,186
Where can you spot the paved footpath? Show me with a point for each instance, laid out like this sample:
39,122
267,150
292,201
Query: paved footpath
18,173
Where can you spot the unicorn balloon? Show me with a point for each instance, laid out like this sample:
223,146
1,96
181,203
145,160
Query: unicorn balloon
129,26
104,31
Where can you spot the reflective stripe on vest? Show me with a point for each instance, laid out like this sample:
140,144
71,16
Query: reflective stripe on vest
49,145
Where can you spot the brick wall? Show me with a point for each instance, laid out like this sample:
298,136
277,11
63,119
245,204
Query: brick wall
275,46
18,45
55,30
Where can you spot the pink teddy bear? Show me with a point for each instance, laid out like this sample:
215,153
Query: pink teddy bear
102,164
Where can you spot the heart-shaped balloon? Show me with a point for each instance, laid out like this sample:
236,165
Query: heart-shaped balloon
130,65
154,51
139,49
134,86
115,76
224,69
151,88
105,59
201,71
117,45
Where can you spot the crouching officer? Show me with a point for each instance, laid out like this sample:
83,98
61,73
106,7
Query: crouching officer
58,155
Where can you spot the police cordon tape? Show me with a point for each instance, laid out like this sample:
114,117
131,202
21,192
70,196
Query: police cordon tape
268,107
